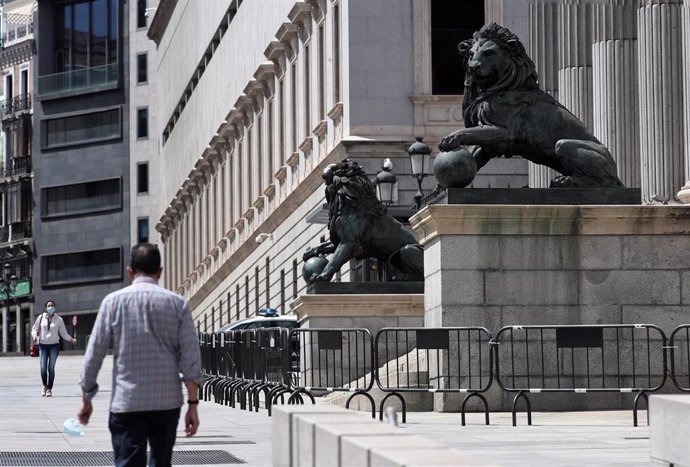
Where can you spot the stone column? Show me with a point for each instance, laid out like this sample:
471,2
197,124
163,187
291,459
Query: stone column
660,56
543,24
575,72
5,330
684,194
615,99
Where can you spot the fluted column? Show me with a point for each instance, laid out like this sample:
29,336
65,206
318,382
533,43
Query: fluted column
684,194
543,19
661,99
615,99
575,73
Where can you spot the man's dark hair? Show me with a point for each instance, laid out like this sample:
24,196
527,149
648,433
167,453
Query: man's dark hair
145,259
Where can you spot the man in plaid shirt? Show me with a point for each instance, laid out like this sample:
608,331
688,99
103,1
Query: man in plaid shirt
155,349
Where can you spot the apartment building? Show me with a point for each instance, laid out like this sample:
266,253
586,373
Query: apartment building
16,175
82,123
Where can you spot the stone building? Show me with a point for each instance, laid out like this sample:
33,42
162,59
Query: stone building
257,97
254,98
16,174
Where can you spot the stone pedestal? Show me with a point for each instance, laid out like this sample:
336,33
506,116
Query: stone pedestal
501,265
669,430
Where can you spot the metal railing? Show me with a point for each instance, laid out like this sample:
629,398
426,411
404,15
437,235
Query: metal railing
580,359
16,166
457,360
679,345
15,104
16,33
76,80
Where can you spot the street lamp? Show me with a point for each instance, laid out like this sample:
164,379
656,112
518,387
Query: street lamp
386,184
420,158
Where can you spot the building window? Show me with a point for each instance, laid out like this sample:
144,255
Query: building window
268,281
256,289
82,198
246,296
142,68
143,123
143,230
141,13
336,54
451,23
143,177
84,266
86,34
307,91
282,290
87,128
237,301
294,278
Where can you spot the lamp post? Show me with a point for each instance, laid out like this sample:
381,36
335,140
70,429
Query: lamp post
420,158
8,284
386,184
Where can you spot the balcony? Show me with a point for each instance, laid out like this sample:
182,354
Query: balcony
17,32
15,232
16,166
11,107
99,78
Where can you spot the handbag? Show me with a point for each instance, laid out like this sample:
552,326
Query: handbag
33,350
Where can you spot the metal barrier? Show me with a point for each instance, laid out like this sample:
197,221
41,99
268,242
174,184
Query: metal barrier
580,359
457,360
679,345
335,360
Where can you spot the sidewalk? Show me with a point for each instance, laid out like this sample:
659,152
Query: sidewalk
32,424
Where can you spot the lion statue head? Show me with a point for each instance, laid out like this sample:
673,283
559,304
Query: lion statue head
494,60
348,188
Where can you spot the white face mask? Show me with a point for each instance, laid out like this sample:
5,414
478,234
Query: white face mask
50,310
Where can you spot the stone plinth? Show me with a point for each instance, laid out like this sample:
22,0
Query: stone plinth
371,312
500,265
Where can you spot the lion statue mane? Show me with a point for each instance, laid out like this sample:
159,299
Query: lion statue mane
360,227
506,114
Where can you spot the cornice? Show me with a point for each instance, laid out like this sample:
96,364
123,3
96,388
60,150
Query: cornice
160,20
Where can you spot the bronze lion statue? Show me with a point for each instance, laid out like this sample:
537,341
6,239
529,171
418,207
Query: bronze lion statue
360,227
506,114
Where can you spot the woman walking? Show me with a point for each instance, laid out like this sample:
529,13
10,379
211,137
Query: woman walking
47,330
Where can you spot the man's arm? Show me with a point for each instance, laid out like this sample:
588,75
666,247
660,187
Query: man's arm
189,361
191,418
99,342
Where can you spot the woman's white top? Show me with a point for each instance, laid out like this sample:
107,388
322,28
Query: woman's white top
52,328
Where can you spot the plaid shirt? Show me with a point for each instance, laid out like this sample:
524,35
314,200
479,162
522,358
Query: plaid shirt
154,341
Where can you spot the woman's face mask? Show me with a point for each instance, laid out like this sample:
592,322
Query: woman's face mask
50,309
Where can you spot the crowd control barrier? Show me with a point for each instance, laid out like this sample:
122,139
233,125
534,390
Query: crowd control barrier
335,360
457,360
580,359
242,365
679,344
